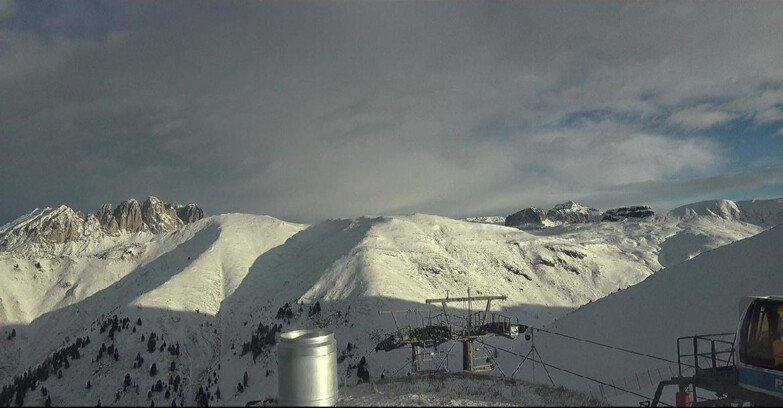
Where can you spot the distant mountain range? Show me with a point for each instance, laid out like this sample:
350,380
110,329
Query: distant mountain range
765,213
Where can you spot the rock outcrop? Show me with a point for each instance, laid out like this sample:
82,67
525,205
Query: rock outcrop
128,216
572,212
152,215
190,213
159,216
42,231
619,214
530,215
106,219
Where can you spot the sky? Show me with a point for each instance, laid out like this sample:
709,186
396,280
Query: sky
314,110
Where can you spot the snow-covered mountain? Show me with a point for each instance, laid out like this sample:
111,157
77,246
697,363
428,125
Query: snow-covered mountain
699,296
491,219
65,232
764,213
221,286
570,212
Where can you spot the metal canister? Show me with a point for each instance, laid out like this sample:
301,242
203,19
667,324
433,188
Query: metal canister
307,368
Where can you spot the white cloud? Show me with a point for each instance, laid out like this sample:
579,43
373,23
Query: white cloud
700,117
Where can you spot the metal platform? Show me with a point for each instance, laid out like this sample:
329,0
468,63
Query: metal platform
713,372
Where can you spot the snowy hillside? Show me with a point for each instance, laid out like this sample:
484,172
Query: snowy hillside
222,289
764,213
492,219
699,296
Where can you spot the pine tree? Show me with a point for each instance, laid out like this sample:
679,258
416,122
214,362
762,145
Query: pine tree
317,308
126,382
116,355
89,385
240,388
244,379
173,366
48,402
153,370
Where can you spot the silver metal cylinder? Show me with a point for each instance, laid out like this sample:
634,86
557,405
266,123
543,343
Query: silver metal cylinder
307,368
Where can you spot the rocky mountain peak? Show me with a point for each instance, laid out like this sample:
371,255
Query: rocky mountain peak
572,212
128,216
152,215
190,213
159,216
619,214
42,230
568,205
530,215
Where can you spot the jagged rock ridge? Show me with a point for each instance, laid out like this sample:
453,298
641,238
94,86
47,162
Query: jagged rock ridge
42,229
567,212
619,214
531,215
572,212
153,215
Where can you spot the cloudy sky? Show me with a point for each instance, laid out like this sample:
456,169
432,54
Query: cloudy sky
314,110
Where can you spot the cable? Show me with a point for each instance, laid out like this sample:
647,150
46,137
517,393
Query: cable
493,359
398,370
611,347
447,356
574,374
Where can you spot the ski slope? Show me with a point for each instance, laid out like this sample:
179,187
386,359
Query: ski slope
699,296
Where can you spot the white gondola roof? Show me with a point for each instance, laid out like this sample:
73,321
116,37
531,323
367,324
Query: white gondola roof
768,297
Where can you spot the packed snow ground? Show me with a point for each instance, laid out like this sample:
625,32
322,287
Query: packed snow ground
211,285
459,390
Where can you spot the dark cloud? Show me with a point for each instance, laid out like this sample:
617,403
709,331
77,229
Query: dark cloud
308,110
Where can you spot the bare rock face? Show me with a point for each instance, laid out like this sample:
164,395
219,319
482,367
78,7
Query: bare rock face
152,215
128,216
50,231
190,213
527,216
159,216
107,220
619,214
66,225
572,212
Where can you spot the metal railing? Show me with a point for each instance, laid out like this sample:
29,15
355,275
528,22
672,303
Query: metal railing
708,351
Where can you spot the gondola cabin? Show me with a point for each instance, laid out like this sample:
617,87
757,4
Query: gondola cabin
759,355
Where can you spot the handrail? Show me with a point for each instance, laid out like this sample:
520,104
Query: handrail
713,354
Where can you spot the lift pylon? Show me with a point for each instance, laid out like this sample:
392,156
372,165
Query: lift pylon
450,326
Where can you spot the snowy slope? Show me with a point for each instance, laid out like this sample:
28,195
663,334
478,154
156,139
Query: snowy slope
699,296
492,219
764,213
214,283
